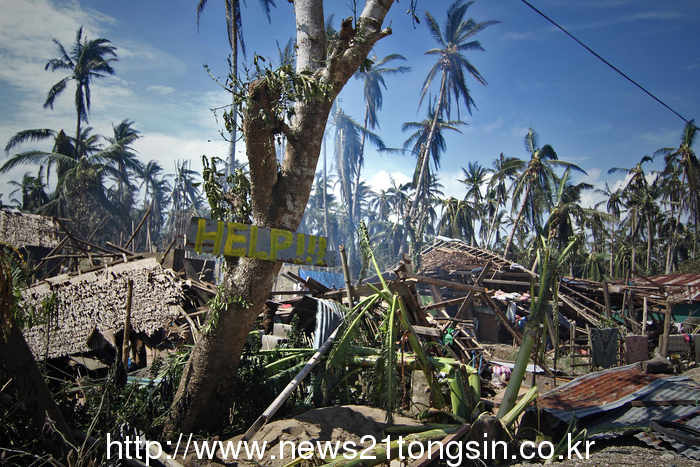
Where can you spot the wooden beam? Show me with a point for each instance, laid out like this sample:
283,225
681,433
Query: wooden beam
502,317
447,284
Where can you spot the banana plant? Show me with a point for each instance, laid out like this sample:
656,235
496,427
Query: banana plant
386,362
551,261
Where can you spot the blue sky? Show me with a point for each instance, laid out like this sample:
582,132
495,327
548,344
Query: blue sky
537,77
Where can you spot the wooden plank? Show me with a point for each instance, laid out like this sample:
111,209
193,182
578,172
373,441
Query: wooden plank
464,307
447,284
606,296
445,303
426,331
437,296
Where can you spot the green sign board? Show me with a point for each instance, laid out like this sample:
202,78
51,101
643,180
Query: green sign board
234,239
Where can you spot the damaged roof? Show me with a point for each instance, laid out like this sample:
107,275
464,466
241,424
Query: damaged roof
96,301
443,255
28,230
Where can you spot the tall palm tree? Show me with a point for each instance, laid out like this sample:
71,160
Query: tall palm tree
474,178
505,171
684,155
566,212
454,39
186,198
234,25
414,223
613,205
632,193
457,220
348,140
533,187
373,77
125,162
87,60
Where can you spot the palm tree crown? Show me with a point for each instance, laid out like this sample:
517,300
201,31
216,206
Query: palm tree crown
87,60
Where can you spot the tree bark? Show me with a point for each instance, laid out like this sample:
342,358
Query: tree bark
278,199
18,364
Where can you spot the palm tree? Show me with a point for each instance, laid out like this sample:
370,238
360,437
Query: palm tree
79,192
457,220
86,61
533,187
414,223
419,140
688,161
380,204
453,39
373,77
186,198
348,160
505,170
32,192
613,206
126,164
156,189
632,191
62,144
234,25
566,212
474,178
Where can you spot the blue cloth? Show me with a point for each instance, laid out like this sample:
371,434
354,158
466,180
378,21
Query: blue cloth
332,280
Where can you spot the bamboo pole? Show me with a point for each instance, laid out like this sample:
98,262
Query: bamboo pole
145,216
126,344
284,395
346,274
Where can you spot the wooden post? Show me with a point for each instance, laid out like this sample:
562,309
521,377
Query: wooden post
134,232
126,345
346,274
667,327
606,296
645,316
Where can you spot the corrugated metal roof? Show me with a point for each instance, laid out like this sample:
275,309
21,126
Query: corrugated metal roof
681,286
609,396
599,391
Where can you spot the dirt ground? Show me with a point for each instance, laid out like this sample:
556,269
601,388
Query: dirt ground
352,423
632,453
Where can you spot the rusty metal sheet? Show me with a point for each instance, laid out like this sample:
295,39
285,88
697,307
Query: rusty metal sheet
235,239
599,391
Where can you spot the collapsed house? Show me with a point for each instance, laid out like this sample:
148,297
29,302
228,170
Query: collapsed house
89,310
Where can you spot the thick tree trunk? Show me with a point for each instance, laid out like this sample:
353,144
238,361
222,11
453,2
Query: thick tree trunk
278,199
18,364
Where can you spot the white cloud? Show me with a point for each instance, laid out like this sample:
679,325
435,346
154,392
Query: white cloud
382,180
164,90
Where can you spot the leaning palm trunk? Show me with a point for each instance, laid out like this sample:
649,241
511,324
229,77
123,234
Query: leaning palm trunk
415,234
521,211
